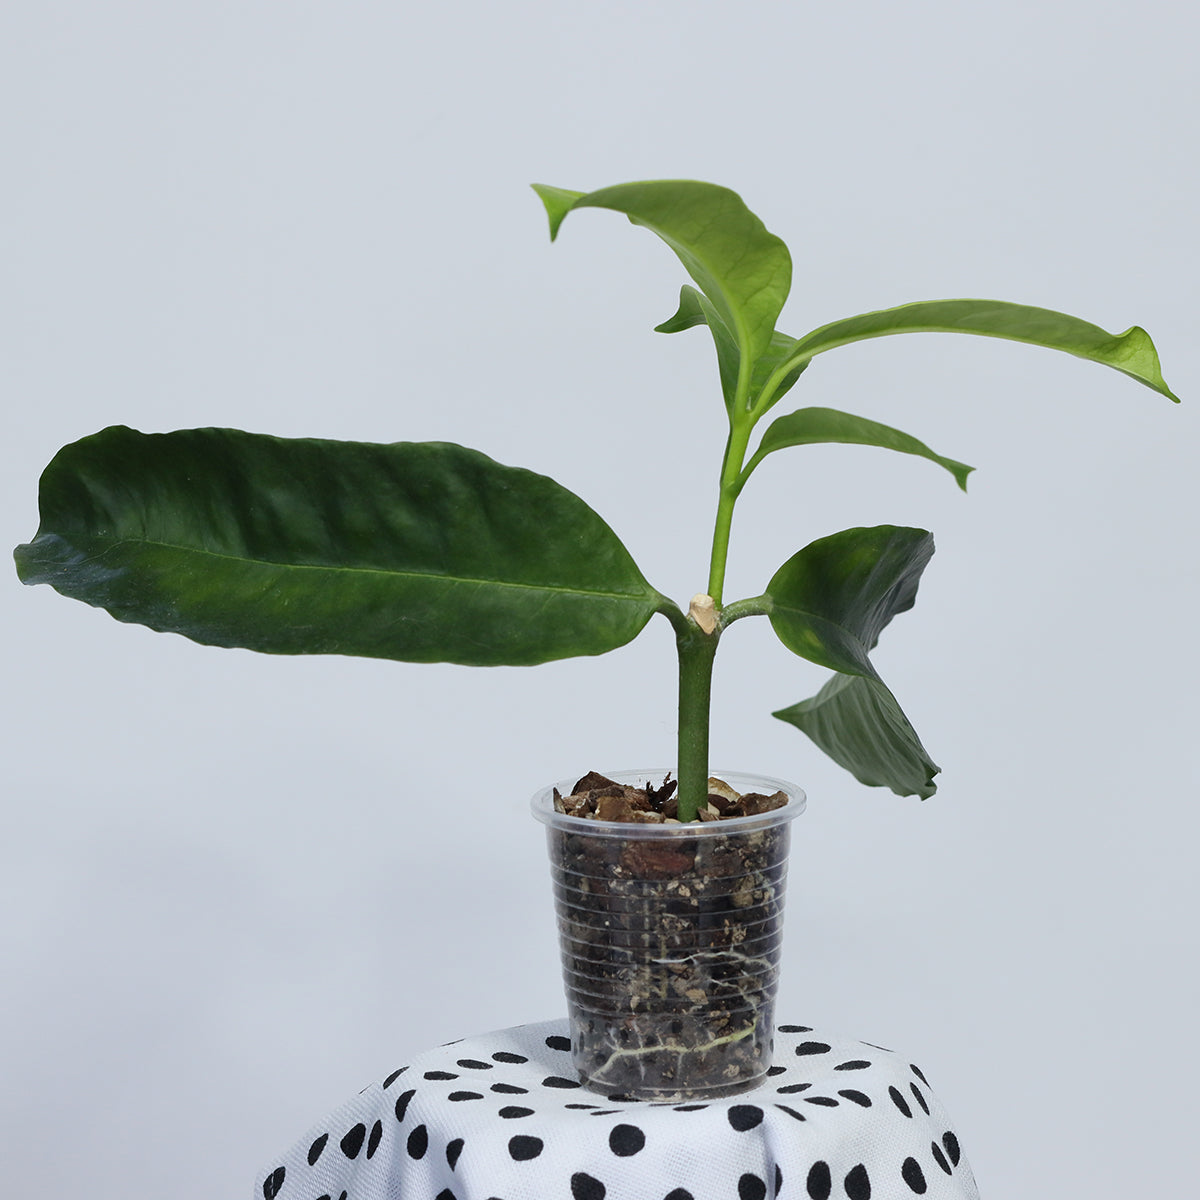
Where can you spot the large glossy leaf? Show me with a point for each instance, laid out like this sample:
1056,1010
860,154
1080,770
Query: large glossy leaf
1131,352
857,722
811,426
417,551
744,271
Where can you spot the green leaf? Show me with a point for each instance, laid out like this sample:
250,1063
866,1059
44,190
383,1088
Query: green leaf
1131,352
744,271
857,722
694,309
829,602
423,552
810,426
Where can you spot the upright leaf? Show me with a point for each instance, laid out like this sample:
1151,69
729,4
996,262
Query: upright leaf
811,426
1131,352
424,552
694,309
857,722
744,271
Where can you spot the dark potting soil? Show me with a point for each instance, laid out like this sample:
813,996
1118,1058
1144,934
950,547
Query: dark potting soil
670,944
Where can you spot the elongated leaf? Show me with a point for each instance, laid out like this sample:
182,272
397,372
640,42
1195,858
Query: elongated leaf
829,601
1131,352
810,426
857,722
418,551
744,271
694,309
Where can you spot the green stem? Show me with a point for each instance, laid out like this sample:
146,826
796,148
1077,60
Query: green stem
731,469
696,652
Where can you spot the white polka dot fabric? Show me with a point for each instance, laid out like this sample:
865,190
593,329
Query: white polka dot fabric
503,1117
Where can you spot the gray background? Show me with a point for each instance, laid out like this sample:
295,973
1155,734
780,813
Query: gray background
236,889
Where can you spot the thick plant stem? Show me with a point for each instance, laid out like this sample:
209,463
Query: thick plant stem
696,652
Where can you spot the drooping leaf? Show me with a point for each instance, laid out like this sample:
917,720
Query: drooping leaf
423,552
857,722
743,270
810,426
829,601
1131,352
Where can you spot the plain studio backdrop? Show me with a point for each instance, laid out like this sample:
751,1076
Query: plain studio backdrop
238,888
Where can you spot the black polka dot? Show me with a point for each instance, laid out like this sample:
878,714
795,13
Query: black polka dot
912,1174
453,1150
511,1112
387,1083
474,1064
858,1184
778,1181
509,1089
940,1158
855,1097
445,1194
373,1140
750,1187
791,1089
795,1029
679,1194
952,1147
689,1107
457,1096
440,1075
745,1116
603,1112
273,1183
824,1101
899,1101
418,1142
813,1048
584,1187
777,1070
314,1151
626,1140
558,1043
855,1064
819,1182
557,1081
791,1112
506,1056
402,1104
352,1142
579,1106
522,1149
917,1072
916,1091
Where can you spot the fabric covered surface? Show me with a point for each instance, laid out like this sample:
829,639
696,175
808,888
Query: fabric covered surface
503,1117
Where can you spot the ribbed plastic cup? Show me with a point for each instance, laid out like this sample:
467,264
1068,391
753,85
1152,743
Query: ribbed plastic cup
671,937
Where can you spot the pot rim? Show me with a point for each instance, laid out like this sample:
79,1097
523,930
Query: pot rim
542,806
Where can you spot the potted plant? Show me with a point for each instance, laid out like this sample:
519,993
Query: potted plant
423,552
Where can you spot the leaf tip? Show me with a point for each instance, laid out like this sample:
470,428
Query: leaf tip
558,202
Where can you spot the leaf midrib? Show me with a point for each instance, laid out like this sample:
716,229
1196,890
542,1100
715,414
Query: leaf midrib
268,562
